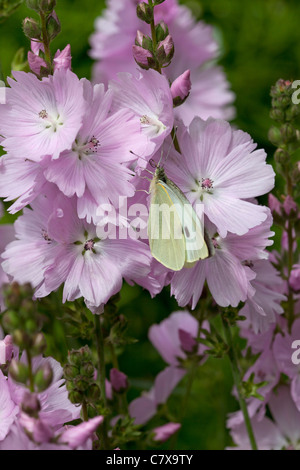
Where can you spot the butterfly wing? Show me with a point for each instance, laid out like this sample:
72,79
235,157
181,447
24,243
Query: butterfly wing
195,246
165,234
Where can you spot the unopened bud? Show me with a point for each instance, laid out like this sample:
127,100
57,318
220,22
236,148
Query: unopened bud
62,60
43,377
161,31
275,136
70,372
165,51
142,56
81,383
277,114
93,393
144,12
21,339
33,4
87,369
281,156
76,397
180,88
290,207
118,380
39,344
288,132
274,204
30,404
18,371
32,29
47,6
53,26
294,280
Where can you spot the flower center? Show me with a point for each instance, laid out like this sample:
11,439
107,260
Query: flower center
50,122
152,126
46,236
89,245
207,184
88,147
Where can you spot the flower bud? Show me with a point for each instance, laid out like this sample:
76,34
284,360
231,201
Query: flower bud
81,383
118,380
70,372
289,205
281,156
277,114
165,51
181,87
76,397
18,371
33,5
30,404
274,204
93,393
62,60
21,339
43,377
47,6
275,136
53,26
161,31
288,132
294,280
39,344
141,56
32,29
87,369
144,12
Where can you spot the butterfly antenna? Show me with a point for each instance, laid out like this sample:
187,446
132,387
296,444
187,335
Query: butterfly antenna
170,146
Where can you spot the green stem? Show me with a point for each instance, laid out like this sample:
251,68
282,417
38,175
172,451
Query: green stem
46,41
101,378
238,382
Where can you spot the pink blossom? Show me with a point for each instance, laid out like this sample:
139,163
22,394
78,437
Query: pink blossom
163,433
283,432
76,436
8,409
289,205
41,117
294,280
274,204
118,380
7,349
149,97
220,168
173,333
144,407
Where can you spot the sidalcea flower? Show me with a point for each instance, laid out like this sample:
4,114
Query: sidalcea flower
65,249
41,117
220,168
148,96
263,307
195,48
163,433
228,271
175,336
282,432
145,407
8,408
95,167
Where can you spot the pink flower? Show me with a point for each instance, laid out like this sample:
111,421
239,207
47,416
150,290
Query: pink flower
7,349
149,97
228,271
194,46
118,380
41,117
96,164
8,409
163,433
174,336
76,436
283,432
144,407
220,168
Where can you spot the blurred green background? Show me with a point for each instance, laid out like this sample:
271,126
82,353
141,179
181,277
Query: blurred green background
260,43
